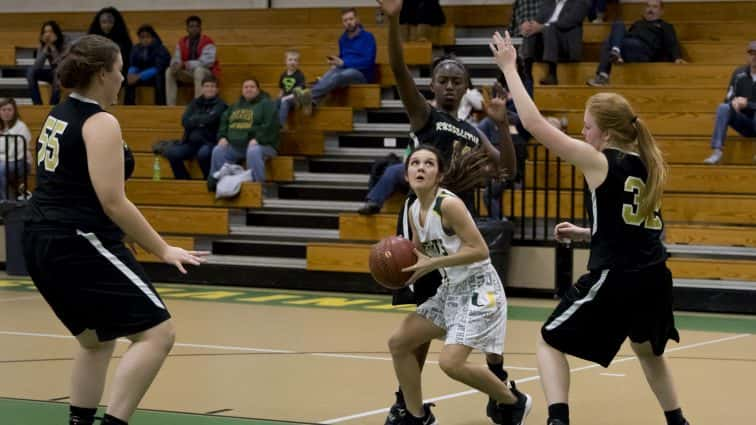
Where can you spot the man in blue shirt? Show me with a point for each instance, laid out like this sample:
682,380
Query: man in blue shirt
355,63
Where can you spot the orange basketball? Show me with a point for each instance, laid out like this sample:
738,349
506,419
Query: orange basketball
387,259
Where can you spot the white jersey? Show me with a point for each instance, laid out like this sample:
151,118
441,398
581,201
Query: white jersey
437,241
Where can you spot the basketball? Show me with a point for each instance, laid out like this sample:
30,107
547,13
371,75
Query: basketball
387,259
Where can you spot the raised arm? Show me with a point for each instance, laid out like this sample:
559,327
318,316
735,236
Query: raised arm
417,107
496,109
102,139
584,156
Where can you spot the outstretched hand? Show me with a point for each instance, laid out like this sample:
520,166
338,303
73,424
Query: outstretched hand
504,52
423,266
176,256
390,7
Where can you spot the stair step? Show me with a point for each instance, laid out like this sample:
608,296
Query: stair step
285,232
363,152
241,260
712,250
481,41
737,285
381,128
311,205
361,179
10,82
260,247
283,218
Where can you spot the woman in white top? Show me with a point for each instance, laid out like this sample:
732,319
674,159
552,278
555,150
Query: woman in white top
469,311
13,157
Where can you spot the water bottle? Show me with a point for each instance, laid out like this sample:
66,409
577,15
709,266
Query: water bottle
156,168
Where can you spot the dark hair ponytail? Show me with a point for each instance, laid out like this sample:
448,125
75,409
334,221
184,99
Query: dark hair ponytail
85,58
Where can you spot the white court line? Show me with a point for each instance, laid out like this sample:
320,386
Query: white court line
30,297
528,379
238,348
618,375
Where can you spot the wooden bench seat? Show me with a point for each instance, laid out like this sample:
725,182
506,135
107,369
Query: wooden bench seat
648,74
701,234
189,193
185,242
326,118
733,179
720,269
279,169
660,123
415,53
646,98
187,220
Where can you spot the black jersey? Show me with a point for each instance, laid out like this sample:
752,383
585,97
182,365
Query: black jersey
620,238
64,196
443,131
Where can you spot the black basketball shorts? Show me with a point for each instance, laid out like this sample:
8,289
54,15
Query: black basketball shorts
605,307
92,282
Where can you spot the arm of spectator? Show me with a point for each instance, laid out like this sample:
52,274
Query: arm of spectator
163,58
267,131
671,45
496,108
365,59
572,15
212,117
731,87
41,58
176,59
148,73
208,55
187,118
417,107
223,127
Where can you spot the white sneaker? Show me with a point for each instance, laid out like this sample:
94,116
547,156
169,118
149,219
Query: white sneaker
227,169
714,158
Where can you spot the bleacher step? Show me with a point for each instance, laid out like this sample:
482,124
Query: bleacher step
712,251
734,285
311,205
241,260
359,179
285,232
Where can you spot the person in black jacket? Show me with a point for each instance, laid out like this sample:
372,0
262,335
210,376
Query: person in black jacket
739,108
200,120
149,59
109,23
555,35
650,39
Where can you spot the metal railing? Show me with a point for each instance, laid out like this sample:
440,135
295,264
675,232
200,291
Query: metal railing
15,167
539,198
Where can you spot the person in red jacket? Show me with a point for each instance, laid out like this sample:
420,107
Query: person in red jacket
194,59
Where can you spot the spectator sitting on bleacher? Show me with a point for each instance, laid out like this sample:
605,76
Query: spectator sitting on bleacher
739,108
249,128
650,39
421,20
149,59
523,12
194,59
12,152
555,35
355,63
291,79
52,44
201,120
109,23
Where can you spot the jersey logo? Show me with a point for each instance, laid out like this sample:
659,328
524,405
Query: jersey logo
630,214
49,148
434,248
489,301
288,83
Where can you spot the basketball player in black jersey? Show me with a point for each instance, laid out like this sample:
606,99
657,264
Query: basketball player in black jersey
439,127
628,290
73,235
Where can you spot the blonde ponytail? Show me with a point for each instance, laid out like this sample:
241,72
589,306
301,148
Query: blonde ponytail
656,168
614,116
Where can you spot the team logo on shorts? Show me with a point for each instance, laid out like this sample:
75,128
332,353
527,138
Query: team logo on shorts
488,301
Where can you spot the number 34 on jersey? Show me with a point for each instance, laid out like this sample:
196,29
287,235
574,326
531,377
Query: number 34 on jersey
49,149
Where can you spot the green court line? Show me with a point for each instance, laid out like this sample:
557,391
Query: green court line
33,412
382,304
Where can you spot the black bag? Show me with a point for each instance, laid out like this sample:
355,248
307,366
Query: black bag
498,233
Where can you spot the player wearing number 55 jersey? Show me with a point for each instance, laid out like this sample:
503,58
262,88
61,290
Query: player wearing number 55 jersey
628,290
73,246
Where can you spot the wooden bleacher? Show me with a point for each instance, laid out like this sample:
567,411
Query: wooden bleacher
278,169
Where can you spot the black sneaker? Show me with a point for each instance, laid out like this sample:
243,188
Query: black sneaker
397,411
428,419
556,422
513,414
